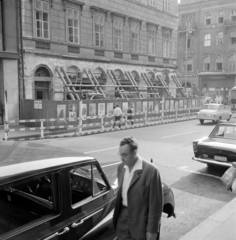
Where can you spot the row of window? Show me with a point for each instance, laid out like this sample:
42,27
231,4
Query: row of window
220,17
42,20
207,63
219,39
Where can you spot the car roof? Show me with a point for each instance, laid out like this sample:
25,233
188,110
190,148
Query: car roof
27,158
230,123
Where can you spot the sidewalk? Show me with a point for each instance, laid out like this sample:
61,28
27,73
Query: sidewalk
219,226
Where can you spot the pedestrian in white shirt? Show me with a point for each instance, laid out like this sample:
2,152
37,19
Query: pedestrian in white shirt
117,112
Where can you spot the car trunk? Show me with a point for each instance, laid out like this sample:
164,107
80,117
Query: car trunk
211,149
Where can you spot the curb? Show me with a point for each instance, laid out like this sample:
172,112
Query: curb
212,223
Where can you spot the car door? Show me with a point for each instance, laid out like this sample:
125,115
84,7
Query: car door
90,200
34,209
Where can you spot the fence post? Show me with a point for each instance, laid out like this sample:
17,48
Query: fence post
41,129
126,119
145,117
102,123
189,113
162,108
176,114
80,117
6,124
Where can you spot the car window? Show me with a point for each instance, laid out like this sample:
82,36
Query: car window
212,107
21,203
224,132
86,182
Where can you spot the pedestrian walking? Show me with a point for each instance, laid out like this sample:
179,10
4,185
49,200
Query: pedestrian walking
139,200
117,112
130,112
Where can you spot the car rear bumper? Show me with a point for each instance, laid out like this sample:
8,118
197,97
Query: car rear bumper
206,118
213,162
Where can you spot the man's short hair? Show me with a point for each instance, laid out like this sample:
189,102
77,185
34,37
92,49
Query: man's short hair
131,141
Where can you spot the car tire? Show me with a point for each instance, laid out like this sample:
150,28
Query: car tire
201,121
210,166
229,118
218,120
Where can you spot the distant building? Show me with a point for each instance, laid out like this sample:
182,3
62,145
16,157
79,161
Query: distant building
88,37
9,58
211,46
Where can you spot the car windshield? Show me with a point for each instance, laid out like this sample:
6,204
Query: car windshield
212,107
224,131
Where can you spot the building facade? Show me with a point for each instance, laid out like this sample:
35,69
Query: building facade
207,46
9,58
95,36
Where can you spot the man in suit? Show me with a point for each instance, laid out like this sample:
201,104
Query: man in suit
139,200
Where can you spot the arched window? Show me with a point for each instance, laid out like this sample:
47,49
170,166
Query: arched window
207,40
206,63
220,17
219,38
136,76
233,37
42,83
208,19
232,61
219,63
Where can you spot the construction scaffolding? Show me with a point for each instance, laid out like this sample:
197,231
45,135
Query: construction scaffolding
126,87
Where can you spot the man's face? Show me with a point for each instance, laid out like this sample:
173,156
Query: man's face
128,157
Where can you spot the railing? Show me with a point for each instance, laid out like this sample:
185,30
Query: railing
102,123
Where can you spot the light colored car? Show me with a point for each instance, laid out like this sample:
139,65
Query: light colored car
214,112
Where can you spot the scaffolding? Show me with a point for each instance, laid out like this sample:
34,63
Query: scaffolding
152,89
164,84
178,84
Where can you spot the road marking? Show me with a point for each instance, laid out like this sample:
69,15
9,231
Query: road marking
184,168
101,150
178,134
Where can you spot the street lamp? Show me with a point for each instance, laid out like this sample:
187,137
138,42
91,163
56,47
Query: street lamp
189,30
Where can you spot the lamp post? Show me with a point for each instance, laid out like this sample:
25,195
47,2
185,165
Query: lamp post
188,31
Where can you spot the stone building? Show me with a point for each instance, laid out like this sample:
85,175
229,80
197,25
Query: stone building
206,46
9,58
81,39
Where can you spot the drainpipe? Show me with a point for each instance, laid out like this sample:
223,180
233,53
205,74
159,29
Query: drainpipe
22,49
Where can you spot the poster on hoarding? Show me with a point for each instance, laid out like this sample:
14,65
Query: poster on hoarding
125,107
101,109
72,112
84,110
92,109
156,107
172,106
150,106
110,108
145,106
61,112
139,107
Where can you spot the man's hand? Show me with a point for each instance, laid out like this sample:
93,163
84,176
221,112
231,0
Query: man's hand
151,236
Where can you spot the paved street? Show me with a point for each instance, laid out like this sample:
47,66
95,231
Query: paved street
197,189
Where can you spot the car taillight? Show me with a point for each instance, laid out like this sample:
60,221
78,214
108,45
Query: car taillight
195,146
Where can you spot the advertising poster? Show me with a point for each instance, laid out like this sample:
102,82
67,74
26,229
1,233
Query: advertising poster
101,109
92,109
167,105
176,105
109,108
185,104
145,106
181,104
172,105
150,106
84,110
125,107
193,103
139,107
156,109
61,112
72,112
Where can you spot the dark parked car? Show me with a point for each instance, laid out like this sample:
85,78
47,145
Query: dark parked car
219,148
52,193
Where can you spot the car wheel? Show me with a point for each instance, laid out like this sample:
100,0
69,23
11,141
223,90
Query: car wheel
210,166
218,120
229,118
201,121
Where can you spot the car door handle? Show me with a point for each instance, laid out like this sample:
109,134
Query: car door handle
75,225
66,229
